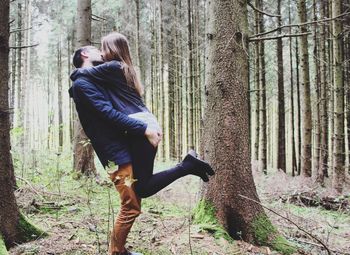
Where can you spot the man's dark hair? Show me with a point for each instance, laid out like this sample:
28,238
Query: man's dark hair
77,59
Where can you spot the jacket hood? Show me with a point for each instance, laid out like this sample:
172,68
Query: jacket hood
75,74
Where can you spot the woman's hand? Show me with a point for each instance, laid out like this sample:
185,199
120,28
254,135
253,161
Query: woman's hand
153,136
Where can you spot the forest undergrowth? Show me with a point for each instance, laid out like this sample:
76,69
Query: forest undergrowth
78,213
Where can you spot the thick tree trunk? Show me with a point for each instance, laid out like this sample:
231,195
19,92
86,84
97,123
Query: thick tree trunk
226,126
339,147
281,160
306,102
13,226
83,152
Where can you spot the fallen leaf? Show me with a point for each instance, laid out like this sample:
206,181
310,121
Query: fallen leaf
128,181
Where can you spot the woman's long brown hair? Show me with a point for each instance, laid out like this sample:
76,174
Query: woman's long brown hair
115,46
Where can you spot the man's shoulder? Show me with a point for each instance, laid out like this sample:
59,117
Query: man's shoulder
82,82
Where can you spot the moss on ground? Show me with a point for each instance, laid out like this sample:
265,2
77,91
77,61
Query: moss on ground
28,230
205,216
266,234
3,250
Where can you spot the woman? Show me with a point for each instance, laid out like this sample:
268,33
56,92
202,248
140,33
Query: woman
119,75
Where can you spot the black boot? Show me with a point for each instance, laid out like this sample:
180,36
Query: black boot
193,165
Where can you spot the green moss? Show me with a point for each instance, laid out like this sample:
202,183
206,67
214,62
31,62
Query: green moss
266,234
3,250
28,230
282,245
205,216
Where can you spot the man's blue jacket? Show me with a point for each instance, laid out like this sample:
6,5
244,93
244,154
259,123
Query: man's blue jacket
103,100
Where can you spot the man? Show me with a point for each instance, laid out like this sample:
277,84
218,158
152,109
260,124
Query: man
106,127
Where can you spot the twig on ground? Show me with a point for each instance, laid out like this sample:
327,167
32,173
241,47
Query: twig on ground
318,245
292,222
30,186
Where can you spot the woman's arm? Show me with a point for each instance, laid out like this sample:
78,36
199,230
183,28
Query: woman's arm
95,101
107,72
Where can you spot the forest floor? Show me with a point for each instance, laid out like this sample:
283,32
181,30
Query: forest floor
78,214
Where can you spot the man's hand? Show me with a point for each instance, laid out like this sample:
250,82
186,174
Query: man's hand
153,136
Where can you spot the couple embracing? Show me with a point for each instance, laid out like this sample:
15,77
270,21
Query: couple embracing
108,98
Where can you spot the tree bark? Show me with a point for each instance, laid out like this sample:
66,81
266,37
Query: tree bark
339,146
13,226
323,159
292,120
281,161
83,151
226,125
262,107
317,80
190,132
172,63
257,83
306,102
59,94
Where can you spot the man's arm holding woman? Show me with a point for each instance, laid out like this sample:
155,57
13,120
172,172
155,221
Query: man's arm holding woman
96,101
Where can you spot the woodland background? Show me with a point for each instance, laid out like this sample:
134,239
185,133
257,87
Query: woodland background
298,73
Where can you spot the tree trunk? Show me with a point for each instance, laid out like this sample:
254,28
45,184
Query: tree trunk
59,87
172,63
179,97
190,104
292,120
14,228
226,128
257,83
281,161
306,102
83,151
323,103
263,111
339,148
317,80
297,60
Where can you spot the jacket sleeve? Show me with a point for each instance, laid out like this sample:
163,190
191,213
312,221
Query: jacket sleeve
96,101
107,72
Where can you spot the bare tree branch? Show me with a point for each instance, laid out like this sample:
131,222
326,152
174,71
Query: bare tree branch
300,24
98,17
292,222
19,30
24,46
277,37
262,12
